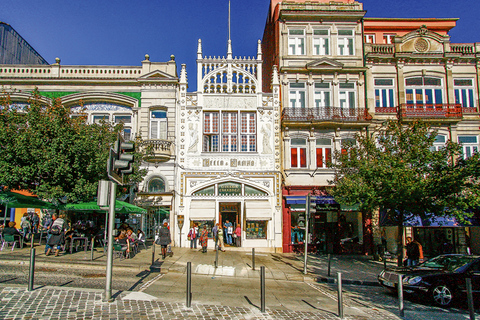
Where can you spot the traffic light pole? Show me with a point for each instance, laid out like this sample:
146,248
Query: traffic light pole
307,217
111,223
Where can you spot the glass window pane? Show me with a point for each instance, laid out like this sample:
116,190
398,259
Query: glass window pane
294,157
345,32
295,32
347,85
324,142
320,32
319,157
467,139
303,157
299,142
156,185
438,96
159,114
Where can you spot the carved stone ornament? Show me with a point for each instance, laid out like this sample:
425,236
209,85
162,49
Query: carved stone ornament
421,45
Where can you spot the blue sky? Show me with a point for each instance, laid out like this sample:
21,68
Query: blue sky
121,32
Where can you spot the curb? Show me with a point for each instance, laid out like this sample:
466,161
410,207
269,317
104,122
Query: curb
348,281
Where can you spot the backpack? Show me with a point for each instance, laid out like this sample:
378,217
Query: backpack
56,230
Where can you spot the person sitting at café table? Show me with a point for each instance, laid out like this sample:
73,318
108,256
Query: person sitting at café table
10,230
122,239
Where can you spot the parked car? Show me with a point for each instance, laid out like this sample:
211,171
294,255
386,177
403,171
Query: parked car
441,279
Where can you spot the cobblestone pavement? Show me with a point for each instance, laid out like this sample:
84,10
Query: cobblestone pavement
61,303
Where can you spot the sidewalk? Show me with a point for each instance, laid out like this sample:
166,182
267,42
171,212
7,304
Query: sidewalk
236,262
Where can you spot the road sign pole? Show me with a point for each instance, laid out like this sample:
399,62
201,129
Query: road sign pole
111,223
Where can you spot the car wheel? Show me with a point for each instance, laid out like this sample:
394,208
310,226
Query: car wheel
442,295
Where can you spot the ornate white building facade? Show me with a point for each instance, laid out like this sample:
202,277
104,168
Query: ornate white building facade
228,150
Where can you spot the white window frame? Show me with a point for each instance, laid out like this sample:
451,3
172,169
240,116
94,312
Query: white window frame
158,126
347,96
299,147
384,93
370,38
422,90
439,143
346,43
104,116
296,42
235,131
297,95
468,148
464,94
321,42
324,147
388,38
322,94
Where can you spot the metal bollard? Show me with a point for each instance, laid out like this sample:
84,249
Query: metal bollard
329,262
216,258
32,236
400,297
471,307
153,253
253,258
340,295
262,289
92,247
189,284
31,272
384,260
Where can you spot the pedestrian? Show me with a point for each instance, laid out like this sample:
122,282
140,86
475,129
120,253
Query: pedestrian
25,225
228,228
215,235
413,252
204,239
221,245
35,222
57,235
164,239
238,235
192,236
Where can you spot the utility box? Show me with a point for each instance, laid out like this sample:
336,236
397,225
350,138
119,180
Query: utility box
103,194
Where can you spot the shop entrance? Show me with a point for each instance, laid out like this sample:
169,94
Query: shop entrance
230,211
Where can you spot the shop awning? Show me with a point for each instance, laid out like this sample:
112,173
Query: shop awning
258,210
202,210
302,200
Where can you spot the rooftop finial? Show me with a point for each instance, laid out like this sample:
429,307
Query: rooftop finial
199,49
229,50
183,74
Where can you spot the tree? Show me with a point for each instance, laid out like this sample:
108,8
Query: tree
45,150
396,169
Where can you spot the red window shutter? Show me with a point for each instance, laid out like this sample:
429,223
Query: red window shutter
294,161
303,157
319,158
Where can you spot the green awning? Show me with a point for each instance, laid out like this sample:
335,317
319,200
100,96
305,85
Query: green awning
17,200
120,207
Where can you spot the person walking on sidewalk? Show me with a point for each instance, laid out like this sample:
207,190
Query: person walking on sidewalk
57,235
220,244
238,235
192,235
164,239
204,239
215,235
413,252
228,232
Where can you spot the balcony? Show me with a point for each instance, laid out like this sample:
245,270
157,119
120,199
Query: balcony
157,150
445,111
326,114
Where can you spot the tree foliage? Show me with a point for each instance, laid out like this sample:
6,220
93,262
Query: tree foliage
396,169
45,150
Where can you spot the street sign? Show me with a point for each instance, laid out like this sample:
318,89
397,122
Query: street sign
180,220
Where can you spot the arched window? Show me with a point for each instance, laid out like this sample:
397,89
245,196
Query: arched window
156,185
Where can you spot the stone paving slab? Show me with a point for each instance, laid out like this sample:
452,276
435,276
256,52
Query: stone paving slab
62,303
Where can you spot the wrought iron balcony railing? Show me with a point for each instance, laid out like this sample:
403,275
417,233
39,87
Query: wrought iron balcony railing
157,150
333,114
431,111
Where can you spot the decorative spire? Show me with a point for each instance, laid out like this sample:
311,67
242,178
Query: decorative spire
229,50
183,74
275,81
259,50
199,49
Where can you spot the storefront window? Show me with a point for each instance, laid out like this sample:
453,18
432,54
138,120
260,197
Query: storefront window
201,223
256,229
208,191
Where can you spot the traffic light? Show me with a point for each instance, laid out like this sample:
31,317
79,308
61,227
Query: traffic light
120,161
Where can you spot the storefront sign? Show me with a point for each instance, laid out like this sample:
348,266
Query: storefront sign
180,220
229,188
